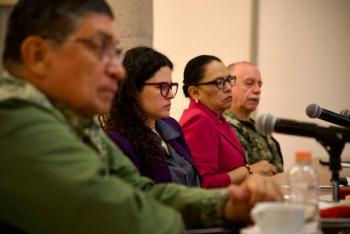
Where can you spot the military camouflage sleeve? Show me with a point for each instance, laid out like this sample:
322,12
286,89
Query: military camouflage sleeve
257,146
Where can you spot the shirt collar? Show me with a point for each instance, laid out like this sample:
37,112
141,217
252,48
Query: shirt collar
166,131
211,114
12,87
236,121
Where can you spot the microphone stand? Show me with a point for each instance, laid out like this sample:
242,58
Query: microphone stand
334,143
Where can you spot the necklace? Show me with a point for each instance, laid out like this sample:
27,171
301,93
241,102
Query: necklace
164,145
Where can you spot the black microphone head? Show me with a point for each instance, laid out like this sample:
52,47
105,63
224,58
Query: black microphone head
265,124
313,111
345,113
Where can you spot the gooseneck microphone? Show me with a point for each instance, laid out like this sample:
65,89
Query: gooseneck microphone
266,124
345,113
332,138
315,111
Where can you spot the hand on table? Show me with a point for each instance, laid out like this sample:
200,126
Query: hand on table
242,198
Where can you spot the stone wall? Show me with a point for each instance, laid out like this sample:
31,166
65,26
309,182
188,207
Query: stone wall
4,13
134,20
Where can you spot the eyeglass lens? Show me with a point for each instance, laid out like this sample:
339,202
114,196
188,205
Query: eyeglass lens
106,51
165,88
221,82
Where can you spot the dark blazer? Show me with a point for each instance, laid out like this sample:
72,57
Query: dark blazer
159,174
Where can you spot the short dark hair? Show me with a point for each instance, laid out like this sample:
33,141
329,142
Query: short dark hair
50,18
126,116
194,70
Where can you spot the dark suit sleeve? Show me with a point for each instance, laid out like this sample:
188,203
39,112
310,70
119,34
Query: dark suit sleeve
122,143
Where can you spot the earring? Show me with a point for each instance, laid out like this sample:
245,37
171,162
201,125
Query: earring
196,100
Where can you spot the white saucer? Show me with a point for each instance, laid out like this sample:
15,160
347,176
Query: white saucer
309,228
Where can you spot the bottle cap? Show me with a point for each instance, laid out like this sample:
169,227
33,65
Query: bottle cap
302,155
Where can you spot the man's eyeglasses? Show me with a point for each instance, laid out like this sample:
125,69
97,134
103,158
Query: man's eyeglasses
220,82
165,87
104,50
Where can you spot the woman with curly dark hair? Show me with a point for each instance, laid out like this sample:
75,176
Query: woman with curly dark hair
139,121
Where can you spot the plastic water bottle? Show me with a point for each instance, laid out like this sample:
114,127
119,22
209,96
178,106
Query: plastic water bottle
303,183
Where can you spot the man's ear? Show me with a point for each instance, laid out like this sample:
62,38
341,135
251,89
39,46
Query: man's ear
193,92
34,52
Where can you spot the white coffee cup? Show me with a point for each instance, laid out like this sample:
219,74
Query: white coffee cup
278,217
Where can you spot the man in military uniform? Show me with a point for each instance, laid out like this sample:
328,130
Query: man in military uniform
246,97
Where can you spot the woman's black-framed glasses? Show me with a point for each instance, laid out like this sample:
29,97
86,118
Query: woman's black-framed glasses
165,87
219,82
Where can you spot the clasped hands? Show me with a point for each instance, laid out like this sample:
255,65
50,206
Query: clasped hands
243,197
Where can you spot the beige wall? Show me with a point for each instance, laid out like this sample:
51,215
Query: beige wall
303,49
304,55
184,29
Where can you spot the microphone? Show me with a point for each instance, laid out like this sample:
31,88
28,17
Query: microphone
332,138
345,113
315,111
266,124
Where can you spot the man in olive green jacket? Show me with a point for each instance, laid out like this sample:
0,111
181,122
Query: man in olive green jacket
59,173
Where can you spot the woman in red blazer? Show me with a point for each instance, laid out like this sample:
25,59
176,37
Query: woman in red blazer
214,145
